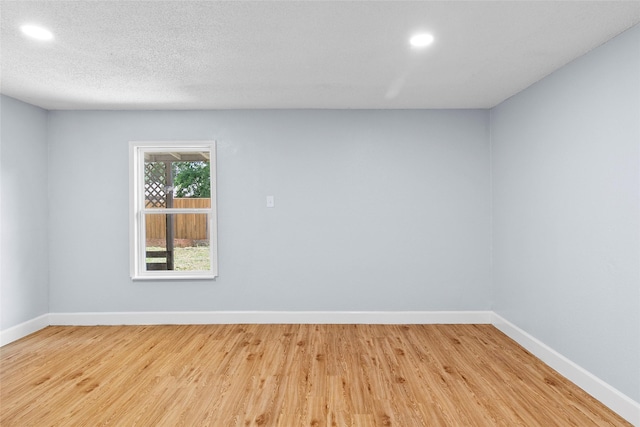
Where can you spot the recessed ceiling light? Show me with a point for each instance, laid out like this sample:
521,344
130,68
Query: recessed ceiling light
36,32
421,40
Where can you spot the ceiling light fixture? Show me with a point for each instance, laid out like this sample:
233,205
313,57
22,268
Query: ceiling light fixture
36,32
421,40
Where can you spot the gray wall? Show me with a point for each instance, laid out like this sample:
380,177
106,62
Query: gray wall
24,260
375,210
566,211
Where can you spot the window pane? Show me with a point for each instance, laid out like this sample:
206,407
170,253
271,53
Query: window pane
177,242
170,176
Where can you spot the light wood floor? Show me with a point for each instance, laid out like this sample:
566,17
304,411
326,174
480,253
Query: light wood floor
285,375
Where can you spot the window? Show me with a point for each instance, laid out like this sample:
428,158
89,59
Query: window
173,210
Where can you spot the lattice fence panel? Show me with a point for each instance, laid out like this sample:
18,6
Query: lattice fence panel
155,184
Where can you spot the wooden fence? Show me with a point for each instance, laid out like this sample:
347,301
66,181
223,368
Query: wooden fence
185,226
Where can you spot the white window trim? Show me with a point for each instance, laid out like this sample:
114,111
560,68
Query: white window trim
137,209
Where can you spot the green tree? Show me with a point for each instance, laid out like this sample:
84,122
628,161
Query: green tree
191,179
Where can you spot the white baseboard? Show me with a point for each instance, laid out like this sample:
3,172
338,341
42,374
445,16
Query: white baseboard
617,401
271,317
16,332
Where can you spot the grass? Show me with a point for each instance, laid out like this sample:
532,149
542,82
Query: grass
187,259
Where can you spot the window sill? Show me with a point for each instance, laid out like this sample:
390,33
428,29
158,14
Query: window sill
180,277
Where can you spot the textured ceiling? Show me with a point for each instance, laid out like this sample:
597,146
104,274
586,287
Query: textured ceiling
294,54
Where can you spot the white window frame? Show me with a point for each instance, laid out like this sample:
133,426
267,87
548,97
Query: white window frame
137,209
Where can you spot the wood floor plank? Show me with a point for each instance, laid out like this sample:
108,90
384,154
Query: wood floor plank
285,375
